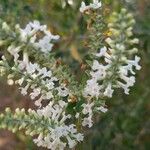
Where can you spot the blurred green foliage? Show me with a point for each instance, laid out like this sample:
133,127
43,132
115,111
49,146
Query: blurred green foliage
127,124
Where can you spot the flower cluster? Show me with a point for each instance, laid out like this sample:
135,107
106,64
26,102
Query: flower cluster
95,5
58,123
30,34
40,82
113,66
88,111
60,131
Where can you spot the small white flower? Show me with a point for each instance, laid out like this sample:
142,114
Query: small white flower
36,25
83,7
95,5
135,62
79,137
44,44
49,84
62,91
92,88
60,135
62,104
39,102
20,81
31,68
48,95
77,115
108,91
97,65
129,80
71,142
14,51
36,92
102,52
102,109
125,87
87,122
29,34
44,72
88,112
51,36
24,90
87,108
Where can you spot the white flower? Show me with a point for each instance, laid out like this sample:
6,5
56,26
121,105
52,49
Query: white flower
83,7
98,75
44,72
88,112
87,108
36,25
25,33
50,35
71,142
95,5
44,44
30,30
49,84
112,68
39,102
62,91
102,52
124,86
77,115
60,135
87,122
108,91
20,81
92,89
22,65
48,95
36,92
135,62
14,51
62,103
96,65
99,71
79,137
24,90
129,80
40,81
31,68
29,34
102,109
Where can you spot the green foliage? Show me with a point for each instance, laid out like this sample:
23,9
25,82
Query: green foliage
31,122
126,125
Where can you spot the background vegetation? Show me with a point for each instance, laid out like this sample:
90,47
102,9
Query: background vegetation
126,126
